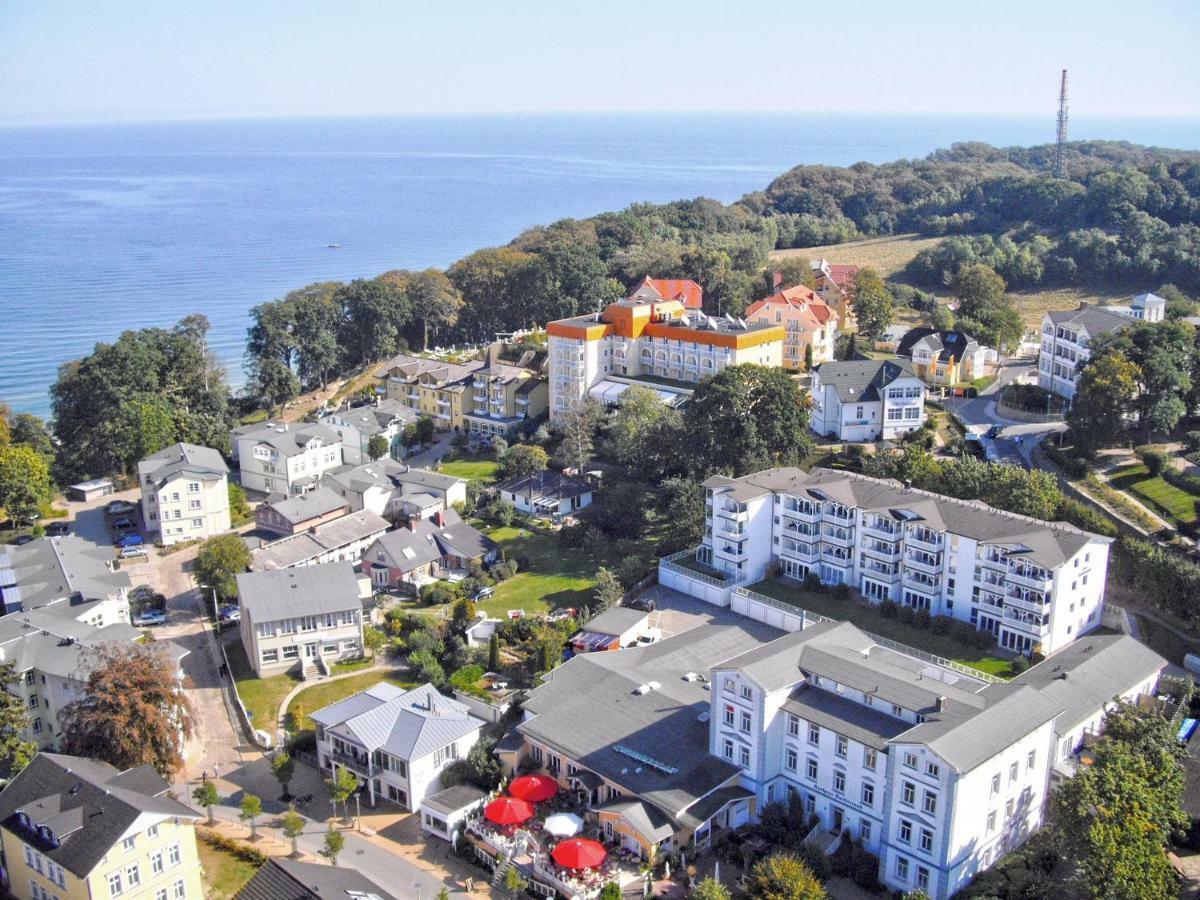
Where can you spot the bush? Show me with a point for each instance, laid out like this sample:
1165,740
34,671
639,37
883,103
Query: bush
908,615
438,593
841,592
1019,664
1155,460
812,582
242,851
854,861
305,742
941,624
1081,515
888,609
1191,441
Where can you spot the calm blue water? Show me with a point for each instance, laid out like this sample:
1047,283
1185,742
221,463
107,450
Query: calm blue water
105,228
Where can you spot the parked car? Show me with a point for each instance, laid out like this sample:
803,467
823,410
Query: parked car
144,595
21,540
124,524
149,617
137,551
645,604
993,432
230,613
483,593
119,508
58,529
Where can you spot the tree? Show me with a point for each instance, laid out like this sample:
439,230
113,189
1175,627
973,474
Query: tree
1104,397
377,446
792,271
874,305
746,418
436,302
293,827
608,589
808,357
629,430
218,563
493,660
610,891
783,876
31,431
577,428
334,842
15,751
132,711
283,767
523,459
373,314
205,794
272,383
342,786
514,884
681,503
24,483
985,310
251,810
710,889
239,509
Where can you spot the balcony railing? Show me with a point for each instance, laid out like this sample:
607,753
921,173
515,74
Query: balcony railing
359,764
1034,577
878,548
921,538
924,562
887,532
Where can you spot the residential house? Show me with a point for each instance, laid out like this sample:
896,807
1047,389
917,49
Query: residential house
397,742
289,879
297,513
938,773
866,400
835,285
547,493
665,344
426,549
78,579
285,458
502,397
396,491
945,357
185,493
307,617
356,426
431,387
1034,585
79,828
343,540
807,322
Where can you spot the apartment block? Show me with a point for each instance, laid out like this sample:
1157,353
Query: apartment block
835,283
807,322
185,493
866,400
657,337
285,458
385,418
502,397
431,387
1034,585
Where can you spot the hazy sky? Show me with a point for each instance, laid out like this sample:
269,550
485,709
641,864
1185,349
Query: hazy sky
108,59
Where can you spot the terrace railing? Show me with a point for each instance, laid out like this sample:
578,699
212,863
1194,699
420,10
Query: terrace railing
669,563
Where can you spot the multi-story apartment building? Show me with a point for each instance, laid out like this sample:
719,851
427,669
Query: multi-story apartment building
185,493
397,491
866,400
433,388
502,397
664,344
807,321
356,426
70,576
945,357
939,774
1034,585
285,458
835,285
73,827
396,742
345,539
305,617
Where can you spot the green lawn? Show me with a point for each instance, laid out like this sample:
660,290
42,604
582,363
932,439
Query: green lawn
472,468
260,696
867,617
554,577
1172,503
320,695
224,873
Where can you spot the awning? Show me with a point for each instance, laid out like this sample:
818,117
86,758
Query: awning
609,392
590,641
586,779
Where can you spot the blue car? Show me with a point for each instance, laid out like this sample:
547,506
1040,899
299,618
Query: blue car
230,613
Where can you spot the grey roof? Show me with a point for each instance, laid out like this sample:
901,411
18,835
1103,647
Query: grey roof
410,368
288,879
453,799
287,439
408,724
389,474
946,345
512,742
703,810
1089,672
864,724
301,591
1095,320
616,620
1047,543
588,710
648,819
299,548
372,420
88,804
861,379
312,504
425,541
201,463
51,569
548,485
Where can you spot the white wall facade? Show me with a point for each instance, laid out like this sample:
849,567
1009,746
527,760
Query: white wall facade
265,469
901,410
186,508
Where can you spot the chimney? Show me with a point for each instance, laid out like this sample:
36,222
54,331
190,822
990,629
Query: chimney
941,704
776,279
439,518
412,522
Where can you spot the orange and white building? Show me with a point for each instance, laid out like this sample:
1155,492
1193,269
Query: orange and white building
657,337
835,285
807,321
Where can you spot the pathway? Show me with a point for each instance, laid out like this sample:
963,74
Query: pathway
313,682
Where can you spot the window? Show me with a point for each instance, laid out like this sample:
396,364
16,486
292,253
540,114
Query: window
864,830
905,831
33,701
908,793
747,694
839,781
811,769
1008,809
173,854
156,863
745,721
793,726
902,868
930,805
932,770
791,759
270,656
115,887
814,734
1012,773
841,746
160,894
897,710
1031,760
923,878
129,842
133,877
926,840
37,726
991,821
152,832
869,758
292,652
729,716
728,749
180,891
744,757
868,794
995,784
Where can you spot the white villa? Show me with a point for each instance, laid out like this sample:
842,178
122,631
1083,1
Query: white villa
185,493
866,400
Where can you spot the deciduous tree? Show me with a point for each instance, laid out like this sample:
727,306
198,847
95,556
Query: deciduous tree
985,310
15,751
251,810
283,767
206,796
334,842
293,827
377,446
1104,398
342,786
523,459
783,876
874,305
577,428
608,590
25,487
218,563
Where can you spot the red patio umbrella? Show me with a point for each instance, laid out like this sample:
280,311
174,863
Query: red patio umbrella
533,788
579,853
508,811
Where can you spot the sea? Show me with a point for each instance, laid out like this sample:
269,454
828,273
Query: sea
105,228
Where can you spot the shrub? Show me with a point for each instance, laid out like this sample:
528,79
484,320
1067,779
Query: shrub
305,742
1191,441
922,618
242,851
1019,664
941,624
1155,461
908,615
888,609
854,861
812,582
1086,517
841,592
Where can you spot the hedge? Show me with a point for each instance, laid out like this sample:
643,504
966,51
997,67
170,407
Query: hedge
1164,578
229,845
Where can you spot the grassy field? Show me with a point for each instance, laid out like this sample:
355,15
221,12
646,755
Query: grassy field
1172,503
868,618
554,577
472,468
224,873
260,696
321,695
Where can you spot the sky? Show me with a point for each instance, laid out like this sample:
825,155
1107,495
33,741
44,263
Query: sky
115,60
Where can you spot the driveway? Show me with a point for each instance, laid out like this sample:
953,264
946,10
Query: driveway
431,455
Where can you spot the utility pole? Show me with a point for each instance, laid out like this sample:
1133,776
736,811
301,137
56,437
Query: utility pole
1061,133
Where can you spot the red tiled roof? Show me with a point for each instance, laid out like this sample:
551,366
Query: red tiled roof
686,291
798,297
842,274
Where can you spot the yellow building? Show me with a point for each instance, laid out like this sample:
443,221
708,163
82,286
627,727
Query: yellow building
439,390
73,828
503,396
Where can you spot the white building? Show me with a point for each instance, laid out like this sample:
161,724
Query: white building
306,617
356,427
1034,585
185,493
1067,337
285,458
342,540
396,491
546,493
866,400
395,741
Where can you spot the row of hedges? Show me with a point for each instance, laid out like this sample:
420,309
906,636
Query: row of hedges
242,851
1164,578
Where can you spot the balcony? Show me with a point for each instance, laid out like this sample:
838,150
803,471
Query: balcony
831,556
1034,601
924,562
729,532
1027,622
794,509
988,600
731,551
801,552
880,549
808,529
921,581
733,513
991,579
359,764
839,514
1029,576
881,530
879,570
442,401
843,537
479,411
921,537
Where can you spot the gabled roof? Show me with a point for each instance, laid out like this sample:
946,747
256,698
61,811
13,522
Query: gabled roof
546,484
861,380
201,463
88,805
287,439
372,420
410,368
1095,320
945,345
297,548
391,475
320,501
303,591
52,569
686,291
427,540
288,879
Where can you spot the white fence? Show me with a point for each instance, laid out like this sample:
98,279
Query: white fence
695,584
